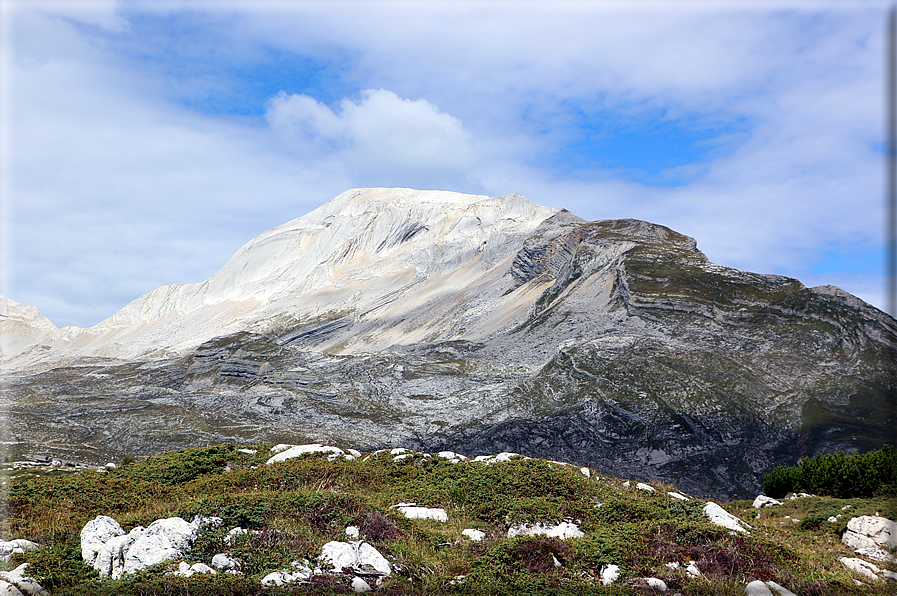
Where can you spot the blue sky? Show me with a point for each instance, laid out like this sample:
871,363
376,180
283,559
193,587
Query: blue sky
145,142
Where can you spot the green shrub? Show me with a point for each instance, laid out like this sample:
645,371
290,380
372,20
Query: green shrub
784,480
837,475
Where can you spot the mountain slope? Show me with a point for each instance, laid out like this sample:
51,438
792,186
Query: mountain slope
435,320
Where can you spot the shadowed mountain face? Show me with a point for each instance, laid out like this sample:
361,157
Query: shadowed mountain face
477,325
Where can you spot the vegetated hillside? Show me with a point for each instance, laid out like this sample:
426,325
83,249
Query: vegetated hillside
398,318
294,507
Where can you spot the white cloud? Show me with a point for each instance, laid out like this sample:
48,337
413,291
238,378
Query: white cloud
380,134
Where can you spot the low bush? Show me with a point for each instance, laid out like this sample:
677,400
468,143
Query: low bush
837,475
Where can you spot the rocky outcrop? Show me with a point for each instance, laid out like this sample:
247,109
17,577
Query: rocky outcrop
106,547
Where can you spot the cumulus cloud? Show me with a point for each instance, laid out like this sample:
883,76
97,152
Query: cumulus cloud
379,134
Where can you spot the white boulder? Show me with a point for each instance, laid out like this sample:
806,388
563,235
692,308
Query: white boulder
414,512
870,531
720,517
17,582
359,585
95,534
186,569
678,496
757,588
225,562
609,574
475,535
284,452
163,540
15,547
764,501
354,555
862,567
644,487
563,530
234,534
876,554
452,456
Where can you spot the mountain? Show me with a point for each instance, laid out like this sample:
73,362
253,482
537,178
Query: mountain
435,320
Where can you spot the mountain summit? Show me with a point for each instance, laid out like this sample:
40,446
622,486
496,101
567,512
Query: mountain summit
435,320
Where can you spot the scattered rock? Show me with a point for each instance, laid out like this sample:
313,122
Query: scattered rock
679,496
609,574
799,496
352,532
15,547
644,487
279,578
757,588
452,456
585,472
781,590
862,567
563,530
358,556
498,458
870,531
720,517
17,583
411,511
359,585
233,534
284,452
877,554
248,451
693,570
186,569
475,535
647,583
764,501
225,562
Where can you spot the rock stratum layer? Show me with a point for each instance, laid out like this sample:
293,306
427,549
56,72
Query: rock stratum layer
435,320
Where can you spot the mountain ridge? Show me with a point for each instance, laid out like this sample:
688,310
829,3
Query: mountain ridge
615,344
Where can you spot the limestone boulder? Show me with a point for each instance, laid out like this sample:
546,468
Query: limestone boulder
870,531
18,582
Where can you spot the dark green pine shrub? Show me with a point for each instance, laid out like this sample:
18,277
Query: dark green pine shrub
837,475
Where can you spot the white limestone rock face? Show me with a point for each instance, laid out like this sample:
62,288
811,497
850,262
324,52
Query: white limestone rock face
343,256
870,531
